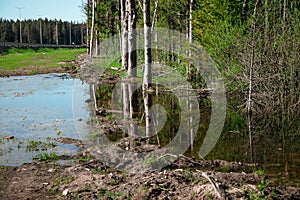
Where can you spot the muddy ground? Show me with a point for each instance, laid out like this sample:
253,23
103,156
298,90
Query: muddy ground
90,179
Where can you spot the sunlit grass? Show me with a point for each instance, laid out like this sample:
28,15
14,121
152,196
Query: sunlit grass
16,58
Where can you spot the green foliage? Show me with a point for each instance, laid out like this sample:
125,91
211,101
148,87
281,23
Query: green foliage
47,157
103,193
110,116
53,190
98,171
263,185
260,172
231,43
68,179
33,145
188,176
236,120
9,31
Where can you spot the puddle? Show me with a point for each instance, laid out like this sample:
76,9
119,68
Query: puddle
271,146
37,109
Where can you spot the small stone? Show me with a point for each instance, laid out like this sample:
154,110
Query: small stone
51,170
65,192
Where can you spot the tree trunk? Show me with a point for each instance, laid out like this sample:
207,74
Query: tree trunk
124,34
190,28
70,32
190,22
147,45
154,15
131,38
87,27
244,10
56,34
249,100
96,44
92,28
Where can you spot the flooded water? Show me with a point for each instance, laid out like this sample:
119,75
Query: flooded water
37,109
266,143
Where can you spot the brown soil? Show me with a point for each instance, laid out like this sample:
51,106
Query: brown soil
90,179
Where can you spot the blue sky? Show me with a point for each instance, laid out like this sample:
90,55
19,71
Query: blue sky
66,10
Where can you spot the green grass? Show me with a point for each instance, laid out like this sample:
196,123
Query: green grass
16,58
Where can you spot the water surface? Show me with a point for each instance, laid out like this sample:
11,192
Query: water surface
269,143
36,110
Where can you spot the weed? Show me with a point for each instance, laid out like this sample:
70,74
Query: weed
150,160
273,193
68,179
57,181
260,172
47,157
263,184
88,158
53,190
188,176
110,116
207,195
97,171
33,145
80,159
109,194
198,180
58,133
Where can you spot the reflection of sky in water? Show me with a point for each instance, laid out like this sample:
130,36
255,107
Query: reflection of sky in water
38,107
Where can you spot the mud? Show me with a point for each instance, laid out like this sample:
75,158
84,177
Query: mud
89,179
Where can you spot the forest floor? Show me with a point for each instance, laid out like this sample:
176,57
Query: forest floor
90,179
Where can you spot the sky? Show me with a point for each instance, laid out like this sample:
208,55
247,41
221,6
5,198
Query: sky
66,10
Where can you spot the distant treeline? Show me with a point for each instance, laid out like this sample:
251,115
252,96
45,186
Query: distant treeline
42,31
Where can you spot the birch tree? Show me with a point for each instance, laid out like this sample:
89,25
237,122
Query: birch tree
147,65
92,27
124,34
131,38
147,45
189,33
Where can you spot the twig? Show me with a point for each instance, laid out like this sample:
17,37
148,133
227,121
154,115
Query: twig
215,186
140,5
167,154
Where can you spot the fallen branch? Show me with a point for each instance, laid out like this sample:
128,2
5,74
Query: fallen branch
215,185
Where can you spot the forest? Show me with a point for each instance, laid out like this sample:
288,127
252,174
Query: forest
255,43
42,31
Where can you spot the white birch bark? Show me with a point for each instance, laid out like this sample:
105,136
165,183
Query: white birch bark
147,80
131,38
124,34
92,27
